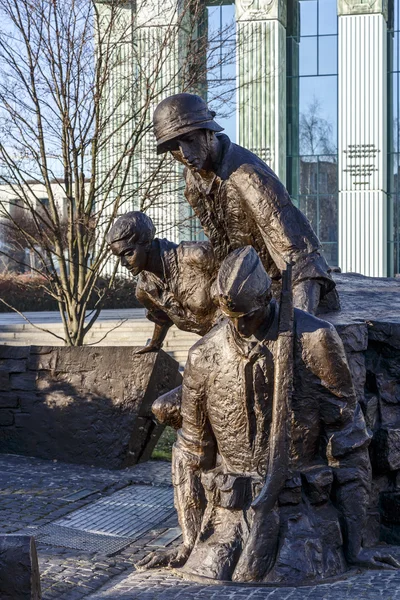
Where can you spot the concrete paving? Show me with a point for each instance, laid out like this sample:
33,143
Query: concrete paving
35,493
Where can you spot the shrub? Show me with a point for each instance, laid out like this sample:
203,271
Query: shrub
27,293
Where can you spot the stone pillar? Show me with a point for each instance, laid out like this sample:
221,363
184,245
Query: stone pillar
262,80
362,152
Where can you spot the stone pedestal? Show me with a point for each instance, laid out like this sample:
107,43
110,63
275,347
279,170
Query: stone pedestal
369,325
19,569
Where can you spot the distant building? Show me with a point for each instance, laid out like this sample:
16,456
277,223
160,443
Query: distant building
13,207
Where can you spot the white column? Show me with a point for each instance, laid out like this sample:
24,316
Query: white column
262,80
150,40
362,152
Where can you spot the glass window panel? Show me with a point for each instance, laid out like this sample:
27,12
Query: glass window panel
221,97
318,115
213,19
330,252
394,138
327,17
328,174
308,175
396,15
292,54
309,206
396,51
328,218
396,173
228,14
328,55
308,56
292,177
308,17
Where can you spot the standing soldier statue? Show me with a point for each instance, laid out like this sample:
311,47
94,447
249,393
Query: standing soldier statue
240,201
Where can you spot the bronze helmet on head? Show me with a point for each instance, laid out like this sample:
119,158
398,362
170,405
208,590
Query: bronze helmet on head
179,114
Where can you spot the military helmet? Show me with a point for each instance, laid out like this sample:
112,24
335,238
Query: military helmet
180,114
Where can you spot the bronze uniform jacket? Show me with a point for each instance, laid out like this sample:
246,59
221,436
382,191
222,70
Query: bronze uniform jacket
246,204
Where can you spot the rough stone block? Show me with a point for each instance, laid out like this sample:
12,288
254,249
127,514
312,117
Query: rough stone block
389,389
354,336
389,505
24,381
41,349
18,352
390,534
4,381
41,362
6,418
385,332
369,406
8,400
317,484
386,450
358,371
21,420
372,530
11,365
19,568
379,484
26,400
291,493
93,408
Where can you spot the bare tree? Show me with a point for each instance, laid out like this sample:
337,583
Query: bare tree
315,132
78,83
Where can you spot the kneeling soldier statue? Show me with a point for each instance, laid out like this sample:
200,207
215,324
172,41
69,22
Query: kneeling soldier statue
270,469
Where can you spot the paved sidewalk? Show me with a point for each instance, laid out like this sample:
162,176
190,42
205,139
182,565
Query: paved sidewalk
35,494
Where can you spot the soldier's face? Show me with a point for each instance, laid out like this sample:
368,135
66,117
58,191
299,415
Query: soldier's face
133,258
192,150
248,324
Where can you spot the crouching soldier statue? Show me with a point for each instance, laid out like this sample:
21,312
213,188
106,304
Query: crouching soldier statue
175,282
270,469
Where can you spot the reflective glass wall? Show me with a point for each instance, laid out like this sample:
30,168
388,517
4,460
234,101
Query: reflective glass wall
394,137
312,52
221,65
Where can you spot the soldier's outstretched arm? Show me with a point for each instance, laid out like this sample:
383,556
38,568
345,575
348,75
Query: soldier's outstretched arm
162,322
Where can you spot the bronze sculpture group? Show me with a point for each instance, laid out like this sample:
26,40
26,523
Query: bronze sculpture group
271,469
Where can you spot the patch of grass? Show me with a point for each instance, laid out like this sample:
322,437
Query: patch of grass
163,449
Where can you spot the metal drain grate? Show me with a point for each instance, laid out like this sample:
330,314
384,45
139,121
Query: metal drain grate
127,513
54,535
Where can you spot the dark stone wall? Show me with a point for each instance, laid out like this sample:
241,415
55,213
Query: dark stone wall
373,353
83,405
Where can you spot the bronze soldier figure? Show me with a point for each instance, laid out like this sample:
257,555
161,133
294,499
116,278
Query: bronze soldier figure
225,452
239,200
175,281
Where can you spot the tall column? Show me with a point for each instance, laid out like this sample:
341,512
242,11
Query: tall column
262,80
150,41
362,152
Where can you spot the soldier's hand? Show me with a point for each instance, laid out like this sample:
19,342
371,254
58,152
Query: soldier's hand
148,348
372,558
173,557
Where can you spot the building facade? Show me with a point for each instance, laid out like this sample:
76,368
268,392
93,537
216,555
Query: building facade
317,96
